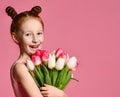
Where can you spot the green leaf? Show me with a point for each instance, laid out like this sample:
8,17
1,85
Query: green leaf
54,76
67,80
41,74
36,81
38,75
47,78
61,77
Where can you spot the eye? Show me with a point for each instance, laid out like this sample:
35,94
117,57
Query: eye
39,33
28,34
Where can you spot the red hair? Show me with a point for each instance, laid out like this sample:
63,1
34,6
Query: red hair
18,19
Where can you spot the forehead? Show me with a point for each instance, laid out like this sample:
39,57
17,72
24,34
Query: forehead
31,24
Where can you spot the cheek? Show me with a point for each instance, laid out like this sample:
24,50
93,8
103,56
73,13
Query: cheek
25,41
42,39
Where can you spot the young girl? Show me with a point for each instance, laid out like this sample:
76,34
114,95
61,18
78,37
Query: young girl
27,31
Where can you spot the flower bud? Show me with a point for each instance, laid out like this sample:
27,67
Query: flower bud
58,52
60,64
51,61
65,56
45,55
30,65
38,53
72,63
36,59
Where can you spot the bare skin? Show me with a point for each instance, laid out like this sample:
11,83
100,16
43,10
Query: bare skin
30,39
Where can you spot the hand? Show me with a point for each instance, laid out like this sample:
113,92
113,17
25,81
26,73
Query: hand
51,91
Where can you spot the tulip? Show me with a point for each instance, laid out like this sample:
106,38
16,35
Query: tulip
65,56
60,64
62,55
58,52
51,61
36,59
72,63
38,53
30,65
44,55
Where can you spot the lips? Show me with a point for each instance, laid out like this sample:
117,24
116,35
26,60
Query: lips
34,46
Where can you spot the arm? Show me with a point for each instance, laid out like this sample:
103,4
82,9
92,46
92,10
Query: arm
51,91
21,74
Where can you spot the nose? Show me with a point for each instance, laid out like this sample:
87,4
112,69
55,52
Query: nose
35,39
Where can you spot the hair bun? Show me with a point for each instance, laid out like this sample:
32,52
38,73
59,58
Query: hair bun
11,12
36,10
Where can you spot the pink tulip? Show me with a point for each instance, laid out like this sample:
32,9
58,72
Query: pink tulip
38,53
36,59
44,55
58,52
64,56
72,63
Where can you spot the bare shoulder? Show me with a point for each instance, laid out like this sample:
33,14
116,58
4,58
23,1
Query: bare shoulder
20,71
20,66
22,75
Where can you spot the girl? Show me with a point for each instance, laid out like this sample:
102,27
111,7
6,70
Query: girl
27,31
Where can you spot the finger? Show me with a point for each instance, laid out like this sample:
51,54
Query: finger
43,88
44,93
46,85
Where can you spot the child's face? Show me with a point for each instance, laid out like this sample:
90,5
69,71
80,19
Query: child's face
31,36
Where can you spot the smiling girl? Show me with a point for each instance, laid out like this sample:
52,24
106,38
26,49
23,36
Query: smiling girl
27,30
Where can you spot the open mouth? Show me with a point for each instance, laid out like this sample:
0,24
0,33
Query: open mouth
34,46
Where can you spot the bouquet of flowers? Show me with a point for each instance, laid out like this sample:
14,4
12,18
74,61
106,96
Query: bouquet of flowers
52,68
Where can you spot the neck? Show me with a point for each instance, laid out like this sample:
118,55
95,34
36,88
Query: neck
23,56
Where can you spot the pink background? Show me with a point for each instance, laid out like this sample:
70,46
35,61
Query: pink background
88,29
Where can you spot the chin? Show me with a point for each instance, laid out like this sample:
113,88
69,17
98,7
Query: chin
31,52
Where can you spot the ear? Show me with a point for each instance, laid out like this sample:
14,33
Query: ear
15,37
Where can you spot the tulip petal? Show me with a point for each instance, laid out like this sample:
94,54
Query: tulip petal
30,65
72,63
60,64
51,61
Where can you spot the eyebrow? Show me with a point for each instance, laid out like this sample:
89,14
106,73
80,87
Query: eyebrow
29,30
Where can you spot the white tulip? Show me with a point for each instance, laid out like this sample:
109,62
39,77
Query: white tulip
30,65
72,63
51,61
60,64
